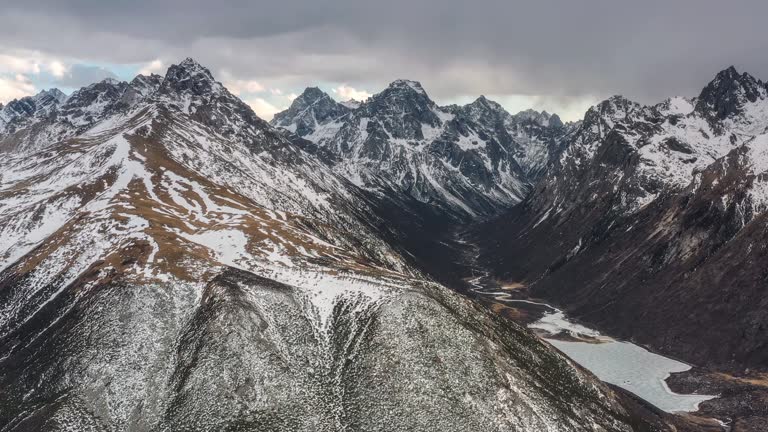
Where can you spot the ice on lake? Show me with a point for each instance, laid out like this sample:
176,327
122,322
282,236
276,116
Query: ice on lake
621,363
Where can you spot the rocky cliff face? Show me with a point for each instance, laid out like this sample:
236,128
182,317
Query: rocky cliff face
470,161
640,224
313,115
169,261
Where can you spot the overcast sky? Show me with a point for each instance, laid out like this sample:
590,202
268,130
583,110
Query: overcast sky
558,55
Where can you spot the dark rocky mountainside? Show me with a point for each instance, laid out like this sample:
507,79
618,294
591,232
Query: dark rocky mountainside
470,161
169,261
652,224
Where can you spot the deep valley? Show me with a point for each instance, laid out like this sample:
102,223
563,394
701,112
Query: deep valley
171,261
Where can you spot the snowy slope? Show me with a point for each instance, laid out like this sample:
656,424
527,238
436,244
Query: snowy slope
471,161
652,223
659,148
175,263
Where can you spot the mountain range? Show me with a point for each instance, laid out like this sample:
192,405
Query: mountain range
470,161
170,261
652,224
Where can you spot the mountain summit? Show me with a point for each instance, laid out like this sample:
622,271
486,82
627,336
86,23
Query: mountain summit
729,92
455,158
650,218
189,76
169,261
312,111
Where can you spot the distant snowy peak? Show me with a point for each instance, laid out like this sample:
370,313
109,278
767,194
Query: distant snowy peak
39,104
410,85
542,118
110,80
615,109
91,103
351,103
190,80
53,94
484,110
187,87
310,111
189,71
402,111
728,93
403,89
474,160
647,151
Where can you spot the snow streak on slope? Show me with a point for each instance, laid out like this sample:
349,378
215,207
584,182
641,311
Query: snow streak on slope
665,205
472,161
177,264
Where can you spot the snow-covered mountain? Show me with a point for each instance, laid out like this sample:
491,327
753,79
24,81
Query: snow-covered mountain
311,115
471,161
652,223
172,262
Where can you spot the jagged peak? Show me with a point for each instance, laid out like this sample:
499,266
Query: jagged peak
555,120
542,118
146,78
730,76
146,84
352,103
399,92
614,108
99,86
618,99
483,104
483,101
311,106
191,64
44,98
111,81
313,93
106,85
189,76
407,84
54,93
309,96
729,72
187,69
532,114
728,91
616,103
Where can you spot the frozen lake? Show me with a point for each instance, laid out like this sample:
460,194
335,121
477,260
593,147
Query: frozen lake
620,363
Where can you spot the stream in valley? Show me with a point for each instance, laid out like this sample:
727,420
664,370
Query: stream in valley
620,363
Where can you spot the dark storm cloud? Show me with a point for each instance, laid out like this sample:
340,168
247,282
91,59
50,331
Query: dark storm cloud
557,49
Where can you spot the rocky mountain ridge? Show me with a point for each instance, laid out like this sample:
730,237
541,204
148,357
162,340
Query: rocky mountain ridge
471,161
650,224
172,262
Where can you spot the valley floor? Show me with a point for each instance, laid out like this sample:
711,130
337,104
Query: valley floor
737,404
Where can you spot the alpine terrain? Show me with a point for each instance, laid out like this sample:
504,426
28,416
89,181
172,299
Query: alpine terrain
171,262
652,225
469,161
